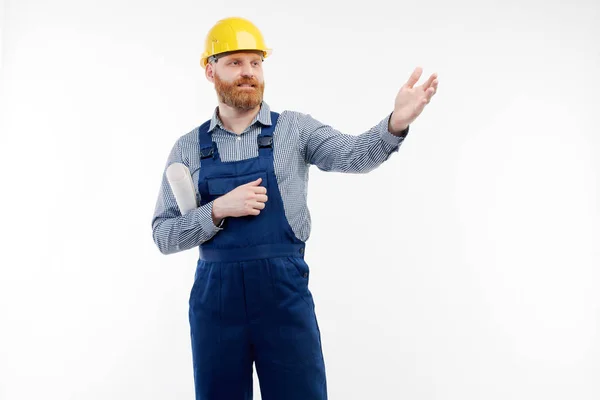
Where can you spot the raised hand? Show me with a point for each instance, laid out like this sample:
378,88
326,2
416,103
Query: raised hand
410,100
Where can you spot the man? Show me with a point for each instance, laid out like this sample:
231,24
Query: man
250,301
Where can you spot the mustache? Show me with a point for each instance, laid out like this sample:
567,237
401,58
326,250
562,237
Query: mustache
247,81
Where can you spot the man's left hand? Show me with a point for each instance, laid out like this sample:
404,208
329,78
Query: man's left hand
411,100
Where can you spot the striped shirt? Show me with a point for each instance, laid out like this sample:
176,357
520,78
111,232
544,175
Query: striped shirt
299,141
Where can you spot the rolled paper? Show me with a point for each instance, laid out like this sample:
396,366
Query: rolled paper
181,183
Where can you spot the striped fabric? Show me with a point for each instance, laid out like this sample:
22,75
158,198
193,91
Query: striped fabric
299,141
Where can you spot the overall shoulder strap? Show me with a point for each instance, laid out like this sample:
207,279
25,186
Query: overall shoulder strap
265,139
208,150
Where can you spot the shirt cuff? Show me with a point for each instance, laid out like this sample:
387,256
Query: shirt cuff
388,137
205,219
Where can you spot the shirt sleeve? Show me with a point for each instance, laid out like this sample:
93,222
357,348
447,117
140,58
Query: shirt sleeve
171,231
332,150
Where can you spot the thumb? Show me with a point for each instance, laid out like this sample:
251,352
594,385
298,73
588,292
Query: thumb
254,183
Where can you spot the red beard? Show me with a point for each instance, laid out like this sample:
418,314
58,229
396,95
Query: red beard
234,96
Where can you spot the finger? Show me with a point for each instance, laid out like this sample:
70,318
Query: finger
251,207
259,189
428,94
434,85
430,81
414,77
261,197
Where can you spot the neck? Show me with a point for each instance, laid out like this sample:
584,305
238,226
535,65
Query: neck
236,120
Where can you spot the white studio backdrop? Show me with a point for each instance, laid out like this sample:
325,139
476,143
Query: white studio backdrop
1,30
465,267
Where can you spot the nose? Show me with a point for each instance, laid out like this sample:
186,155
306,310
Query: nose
247,71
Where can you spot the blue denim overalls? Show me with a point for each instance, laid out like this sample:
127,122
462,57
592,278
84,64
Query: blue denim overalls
250,300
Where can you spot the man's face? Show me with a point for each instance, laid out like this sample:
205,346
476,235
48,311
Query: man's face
238,79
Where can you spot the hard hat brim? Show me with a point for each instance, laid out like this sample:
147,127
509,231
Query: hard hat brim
204,60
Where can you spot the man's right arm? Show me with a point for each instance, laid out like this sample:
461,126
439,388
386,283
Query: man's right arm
173,232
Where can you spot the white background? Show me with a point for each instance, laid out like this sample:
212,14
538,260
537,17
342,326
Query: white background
465,267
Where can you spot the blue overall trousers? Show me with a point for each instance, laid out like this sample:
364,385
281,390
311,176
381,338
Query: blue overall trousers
250,301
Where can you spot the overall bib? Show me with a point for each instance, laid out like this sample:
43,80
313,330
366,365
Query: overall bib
250,301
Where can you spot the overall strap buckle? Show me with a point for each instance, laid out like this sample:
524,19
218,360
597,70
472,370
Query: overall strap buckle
265,141
206,152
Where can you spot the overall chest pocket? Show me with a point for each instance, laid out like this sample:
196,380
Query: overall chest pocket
224,184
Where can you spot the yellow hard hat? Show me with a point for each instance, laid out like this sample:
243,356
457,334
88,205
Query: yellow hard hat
233,34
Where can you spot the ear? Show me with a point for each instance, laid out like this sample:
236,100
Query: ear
210,73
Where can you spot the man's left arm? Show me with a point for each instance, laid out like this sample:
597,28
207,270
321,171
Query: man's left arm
332,150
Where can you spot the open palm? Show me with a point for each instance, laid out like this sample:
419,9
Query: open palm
410,100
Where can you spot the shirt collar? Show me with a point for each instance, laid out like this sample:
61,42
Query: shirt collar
263,117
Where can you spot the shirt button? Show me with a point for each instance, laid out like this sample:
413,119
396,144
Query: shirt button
239,138
306,275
